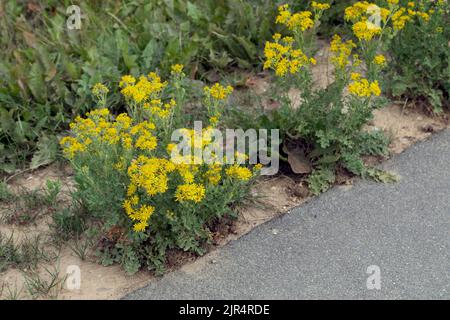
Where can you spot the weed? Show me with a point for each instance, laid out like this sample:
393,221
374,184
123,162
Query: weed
10,292
23,255
420,66
67,223
51,192
26,206
5,194
80,247
47,285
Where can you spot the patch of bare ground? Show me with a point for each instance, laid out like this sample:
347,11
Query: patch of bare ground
406,125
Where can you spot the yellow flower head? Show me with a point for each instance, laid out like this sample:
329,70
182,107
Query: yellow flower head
99,89
357,11
72,146
379,60
213,120
299,21
276,36
190,192
363,88
320,6
127,80
283,58
238,172
400,18
365,30
341,51
145,89
355,76
176,68
218,91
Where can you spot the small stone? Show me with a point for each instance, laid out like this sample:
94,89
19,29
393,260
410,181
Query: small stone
428,128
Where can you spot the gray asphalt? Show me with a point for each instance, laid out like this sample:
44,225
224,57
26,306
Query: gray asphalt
322,250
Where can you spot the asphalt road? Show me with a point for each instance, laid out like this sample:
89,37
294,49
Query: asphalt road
322,250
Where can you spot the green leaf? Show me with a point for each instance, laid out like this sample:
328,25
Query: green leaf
47,150
399,88
193,12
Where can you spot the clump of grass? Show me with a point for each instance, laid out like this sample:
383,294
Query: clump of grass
5,194
10,292
47,285
81,247
27,206
24,255
67,223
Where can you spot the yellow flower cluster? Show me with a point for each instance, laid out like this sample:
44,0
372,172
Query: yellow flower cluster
98,127
320,6
400,18
197,140
190,192
150,174
214,174
71,146
99,89
130,146
365,30
160,109
380,60
299,21
218,92
239,172
144,89
363,88
341,51
145,138
177,69
362,9
283,58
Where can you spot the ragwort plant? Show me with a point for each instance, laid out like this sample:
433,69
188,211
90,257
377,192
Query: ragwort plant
145,197
325,124
420,54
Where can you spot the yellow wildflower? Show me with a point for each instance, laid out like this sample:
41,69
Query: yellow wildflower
355,76
127,80
341,51
365,30
99,89
300,21
190,192
176,68
284,59
218,91
363,88
320,6
379,60
213,175
238,172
